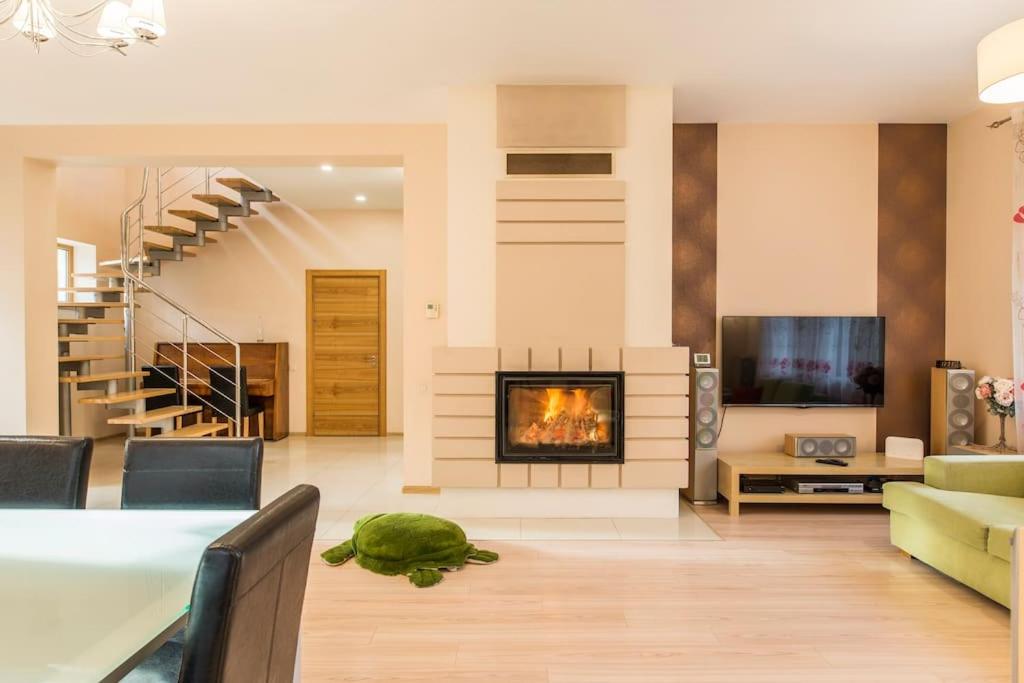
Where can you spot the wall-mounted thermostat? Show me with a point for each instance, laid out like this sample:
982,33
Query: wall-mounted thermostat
433,310
702,360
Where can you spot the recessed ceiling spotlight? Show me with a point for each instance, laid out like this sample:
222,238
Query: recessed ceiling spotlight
361,198
326,168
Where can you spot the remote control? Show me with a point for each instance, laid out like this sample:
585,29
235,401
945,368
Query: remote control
833,461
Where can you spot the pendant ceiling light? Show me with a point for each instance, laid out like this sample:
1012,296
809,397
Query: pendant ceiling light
100,27
1001,65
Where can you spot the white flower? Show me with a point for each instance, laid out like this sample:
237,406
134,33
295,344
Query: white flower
1003,386
1004,398
985,380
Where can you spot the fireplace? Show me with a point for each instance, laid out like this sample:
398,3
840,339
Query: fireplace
559,417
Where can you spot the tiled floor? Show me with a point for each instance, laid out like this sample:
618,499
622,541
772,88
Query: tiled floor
359,476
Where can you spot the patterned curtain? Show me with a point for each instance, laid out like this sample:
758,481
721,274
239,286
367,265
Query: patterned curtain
1018,275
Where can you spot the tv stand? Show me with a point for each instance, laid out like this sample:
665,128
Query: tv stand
731,466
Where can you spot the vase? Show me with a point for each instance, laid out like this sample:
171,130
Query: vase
1001,445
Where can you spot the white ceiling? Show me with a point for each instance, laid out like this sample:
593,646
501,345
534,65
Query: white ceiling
391,60
313,189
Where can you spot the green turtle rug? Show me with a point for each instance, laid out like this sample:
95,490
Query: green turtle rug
410,544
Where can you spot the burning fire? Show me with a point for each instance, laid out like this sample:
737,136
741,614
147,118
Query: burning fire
569,419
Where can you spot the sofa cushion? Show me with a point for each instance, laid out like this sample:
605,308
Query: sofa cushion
965,517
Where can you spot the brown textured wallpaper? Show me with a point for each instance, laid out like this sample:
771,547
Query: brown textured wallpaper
694,235
911,270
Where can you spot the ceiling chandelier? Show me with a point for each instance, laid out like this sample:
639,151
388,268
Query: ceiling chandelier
119,24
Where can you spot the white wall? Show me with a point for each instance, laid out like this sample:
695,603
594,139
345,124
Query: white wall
259,272
797,235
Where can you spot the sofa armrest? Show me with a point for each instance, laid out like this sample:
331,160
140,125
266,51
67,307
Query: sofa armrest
998,475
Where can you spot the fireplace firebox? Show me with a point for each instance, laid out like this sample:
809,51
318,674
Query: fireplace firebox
559,417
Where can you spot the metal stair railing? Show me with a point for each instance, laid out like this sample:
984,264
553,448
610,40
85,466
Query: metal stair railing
133,267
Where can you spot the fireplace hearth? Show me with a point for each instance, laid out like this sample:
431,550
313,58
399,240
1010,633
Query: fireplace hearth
559,417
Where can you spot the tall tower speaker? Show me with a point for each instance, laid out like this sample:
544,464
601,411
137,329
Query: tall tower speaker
952,409
705,390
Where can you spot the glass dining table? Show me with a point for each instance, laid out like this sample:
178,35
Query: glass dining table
87,594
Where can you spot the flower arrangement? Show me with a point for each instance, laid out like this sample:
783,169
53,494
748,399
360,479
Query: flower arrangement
997,393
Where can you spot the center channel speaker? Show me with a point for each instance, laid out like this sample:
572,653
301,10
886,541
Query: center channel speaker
952,409
821,445
705,391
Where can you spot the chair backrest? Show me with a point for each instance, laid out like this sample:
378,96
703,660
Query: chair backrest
247,599
192,474
222,391
162,377
44,471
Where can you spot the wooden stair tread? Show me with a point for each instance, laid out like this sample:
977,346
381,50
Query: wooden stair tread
173,231
193,215
101,274
125,396
91,304
71,339
240,184
99,290
152,246
196,430
90,321
151,416
82,357
215,199
103,377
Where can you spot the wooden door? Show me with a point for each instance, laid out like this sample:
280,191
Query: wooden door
346,352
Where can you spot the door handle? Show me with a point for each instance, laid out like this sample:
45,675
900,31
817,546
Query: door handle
372,359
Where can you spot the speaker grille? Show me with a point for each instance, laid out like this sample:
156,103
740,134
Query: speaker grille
809,446
705,387
959,408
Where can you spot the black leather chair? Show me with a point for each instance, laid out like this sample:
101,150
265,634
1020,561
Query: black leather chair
162,377
44,471
222,398
246,602
192,474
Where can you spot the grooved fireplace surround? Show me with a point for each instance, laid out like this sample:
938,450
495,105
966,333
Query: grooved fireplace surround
559,416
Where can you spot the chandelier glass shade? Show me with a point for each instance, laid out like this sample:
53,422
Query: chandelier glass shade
85,30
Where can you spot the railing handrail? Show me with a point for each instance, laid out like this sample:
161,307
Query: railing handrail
136,280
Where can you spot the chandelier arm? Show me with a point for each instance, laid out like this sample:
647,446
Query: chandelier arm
14,4
72,36
80,15
69,33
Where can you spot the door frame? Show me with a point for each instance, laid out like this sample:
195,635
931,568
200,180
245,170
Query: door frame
382,342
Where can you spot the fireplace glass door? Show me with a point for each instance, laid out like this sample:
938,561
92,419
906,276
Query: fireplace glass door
559,417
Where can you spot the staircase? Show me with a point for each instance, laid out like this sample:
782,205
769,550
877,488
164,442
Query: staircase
147,241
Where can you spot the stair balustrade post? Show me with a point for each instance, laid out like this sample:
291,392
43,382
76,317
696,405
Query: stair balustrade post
184,360
159,197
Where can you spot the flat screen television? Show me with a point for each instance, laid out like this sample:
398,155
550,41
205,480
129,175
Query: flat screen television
803,361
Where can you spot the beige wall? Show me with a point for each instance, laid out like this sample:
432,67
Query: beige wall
978,251
797,235
474,162
29,236
644,163
89,205
258,272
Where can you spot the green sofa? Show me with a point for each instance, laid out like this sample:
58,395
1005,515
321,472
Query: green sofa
961,519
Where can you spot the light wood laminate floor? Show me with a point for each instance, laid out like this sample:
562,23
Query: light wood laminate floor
791,594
